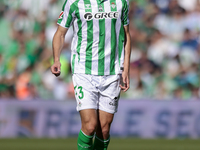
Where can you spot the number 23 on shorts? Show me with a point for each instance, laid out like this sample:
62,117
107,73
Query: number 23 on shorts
79,92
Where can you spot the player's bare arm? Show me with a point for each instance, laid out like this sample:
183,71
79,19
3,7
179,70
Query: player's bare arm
125,73
58,42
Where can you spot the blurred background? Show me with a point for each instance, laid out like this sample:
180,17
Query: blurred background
164,61
164,74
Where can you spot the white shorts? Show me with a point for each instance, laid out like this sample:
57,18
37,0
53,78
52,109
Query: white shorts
97,92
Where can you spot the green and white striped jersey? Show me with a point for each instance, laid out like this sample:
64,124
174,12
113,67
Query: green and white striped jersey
98,41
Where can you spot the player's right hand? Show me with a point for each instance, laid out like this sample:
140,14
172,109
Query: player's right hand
55,68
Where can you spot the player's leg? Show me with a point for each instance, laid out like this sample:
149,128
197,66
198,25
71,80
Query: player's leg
108,104
102,136
89,122
86,97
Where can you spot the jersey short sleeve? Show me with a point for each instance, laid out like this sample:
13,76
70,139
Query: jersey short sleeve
125,17
66,16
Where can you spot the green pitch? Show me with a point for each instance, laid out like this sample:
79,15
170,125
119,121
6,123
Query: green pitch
115,144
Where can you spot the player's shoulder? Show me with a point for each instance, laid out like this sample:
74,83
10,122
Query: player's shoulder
125,1
70,2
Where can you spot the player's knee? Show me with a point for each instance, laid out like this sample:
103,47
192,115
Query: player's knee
91,129
106,131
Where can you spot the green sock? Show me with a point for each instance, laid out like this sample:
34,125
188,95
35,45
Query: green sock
84,141
100,144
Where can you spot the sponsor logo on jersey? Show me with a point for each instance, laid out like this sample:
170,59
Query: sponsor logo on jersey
61,15
113,5
101,15
88,16
87,6
114,102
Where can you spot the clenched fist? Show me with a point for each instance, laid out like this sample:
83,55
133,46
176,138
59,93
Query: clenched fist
55,68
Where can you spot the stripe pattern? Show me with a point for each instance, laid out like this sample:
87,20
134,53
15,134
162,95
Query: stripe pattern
98,42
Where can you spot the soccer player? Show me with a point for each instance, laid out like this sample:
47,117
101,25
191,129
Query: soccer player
100,58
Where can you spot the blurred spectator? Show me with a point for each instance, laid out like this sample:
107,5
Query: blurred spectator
164,61
189,40
161,47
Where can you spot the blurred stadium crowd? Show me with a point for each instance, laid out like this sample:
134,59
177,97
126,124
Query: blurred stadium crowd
165,50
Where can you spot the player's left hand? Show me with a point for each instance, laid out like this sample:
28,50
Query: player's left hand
125,83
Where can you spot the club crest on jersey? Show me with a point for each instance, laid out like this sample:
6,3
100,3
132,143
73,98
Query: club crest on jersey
113,5
101,15
61,15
